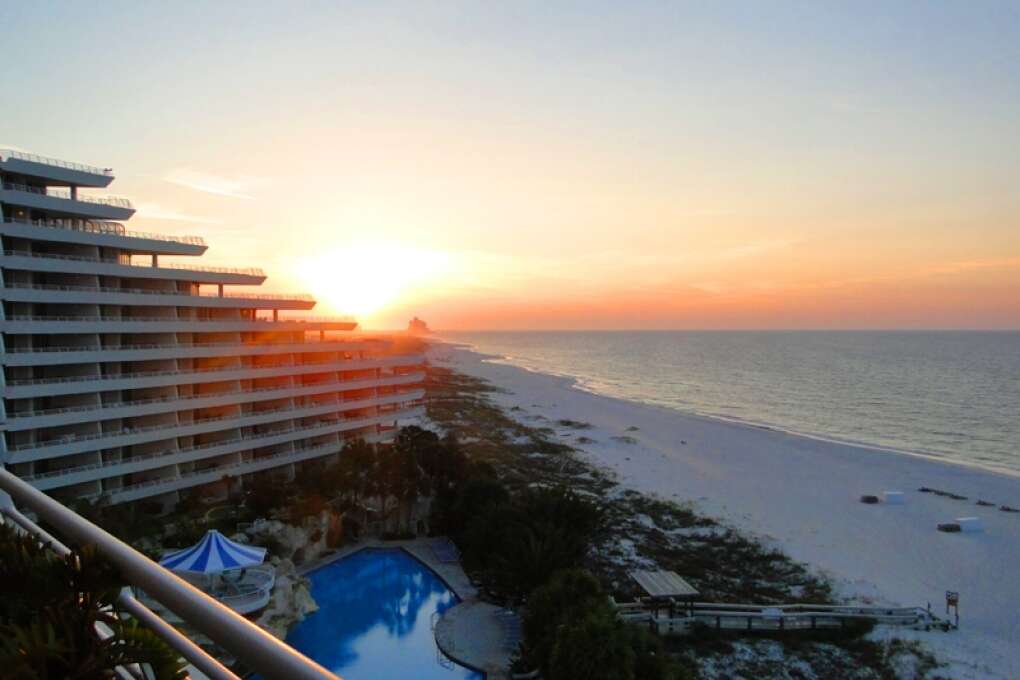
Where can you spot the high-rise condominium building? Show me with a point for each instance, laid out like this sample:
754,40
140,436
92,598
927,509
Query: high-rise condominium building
127,376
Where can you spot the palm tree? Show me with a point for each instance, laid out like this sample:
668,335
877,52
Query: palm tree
402,478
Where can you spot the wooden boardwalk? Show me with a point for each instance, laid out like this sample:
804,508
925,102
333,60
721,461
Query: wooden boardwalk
792,617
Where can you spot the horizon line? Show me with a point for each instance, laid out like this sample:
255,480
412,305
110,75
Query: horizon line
704,330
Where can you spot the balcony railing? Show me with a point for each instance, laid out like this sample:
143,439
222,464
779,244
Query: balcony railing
167,319
270,657
63,472
295,412
190,345
65,194
55,162
282,458
348,385
201,371
247,271
297,297
111,228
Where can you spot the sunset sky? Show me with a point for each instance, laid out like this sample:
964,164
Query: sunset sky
557,165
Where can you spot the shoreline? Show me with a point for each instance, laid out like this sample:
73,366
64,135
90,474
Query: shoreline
802,494
576,383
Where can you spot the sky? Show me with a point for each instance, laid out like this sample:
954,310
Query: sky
535,165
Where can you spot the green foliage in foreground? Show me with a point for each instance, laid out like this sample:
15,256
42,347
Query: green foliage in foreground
571,631
49,611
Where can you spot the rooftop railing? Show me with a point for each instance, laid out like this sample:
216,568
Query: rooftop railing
297,297
55,162
247,271
111,228
66,194
270,657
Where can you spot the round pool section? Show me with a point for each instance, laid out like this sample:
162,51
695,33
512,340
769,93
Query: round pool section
375,617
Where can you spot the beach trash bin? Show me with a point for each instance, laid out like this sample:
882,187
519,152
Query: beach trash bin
970,525
895,498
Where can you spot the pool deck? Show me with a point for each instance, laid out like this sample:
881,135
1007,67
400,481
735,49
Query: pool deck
472,633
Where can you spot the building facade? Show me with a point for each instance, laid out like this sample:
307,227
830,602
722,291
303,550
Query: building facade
126,377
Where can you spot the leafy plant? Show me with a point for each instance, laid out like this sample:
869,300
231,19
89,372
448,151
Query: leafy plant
49,623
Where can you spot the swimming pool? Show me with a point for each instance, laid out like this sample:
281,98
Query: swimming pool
375,619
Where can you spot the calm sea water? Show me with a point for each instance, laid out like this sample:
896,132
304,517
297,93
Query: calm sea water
953,395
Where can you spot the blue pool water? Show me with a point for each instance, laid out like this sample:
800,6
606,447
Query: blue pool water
374,619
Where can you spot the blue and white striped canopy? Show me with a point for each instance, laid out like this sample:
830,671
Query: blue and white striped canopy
214,553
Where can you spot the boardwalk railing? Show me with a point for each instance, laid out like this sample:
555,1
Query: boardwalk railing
750,617
270,657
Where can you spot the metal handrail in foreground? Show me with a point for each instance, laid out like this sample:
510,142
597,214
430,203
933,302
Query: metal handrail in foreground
198,657
270,657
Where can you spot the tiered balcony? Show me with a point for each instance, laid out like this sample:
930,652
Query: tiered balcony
76,264
84,384
48,356
30,420
76,325
74,444
102,234
61,202
76,475
53,294
54,170
155,487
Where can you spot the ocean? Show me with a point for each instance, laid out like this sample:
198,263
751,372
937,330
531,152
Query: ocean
949,395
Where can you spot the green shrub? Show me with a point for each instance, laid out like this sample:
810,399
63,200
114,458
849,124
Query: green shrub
572,631
595,647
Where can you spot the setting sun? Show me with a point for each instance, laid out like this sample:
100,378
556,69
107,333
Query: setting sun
362,279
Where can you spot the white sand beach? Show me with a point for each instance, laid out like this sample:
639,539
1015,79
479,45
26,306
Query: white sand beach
803,495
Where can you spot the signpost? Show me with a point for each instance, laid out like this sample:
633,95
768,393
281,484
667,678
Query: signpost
953,600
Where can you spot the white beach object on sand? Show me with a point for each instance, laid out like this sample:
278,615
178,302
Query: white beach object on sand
970,525
895,498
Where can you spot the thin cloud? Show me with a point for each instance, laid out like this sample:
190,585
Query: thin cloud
154,211
214,184
974,265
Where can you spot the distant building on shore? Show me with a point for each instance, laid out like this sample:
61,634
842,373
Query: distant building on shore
128,378
418,327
